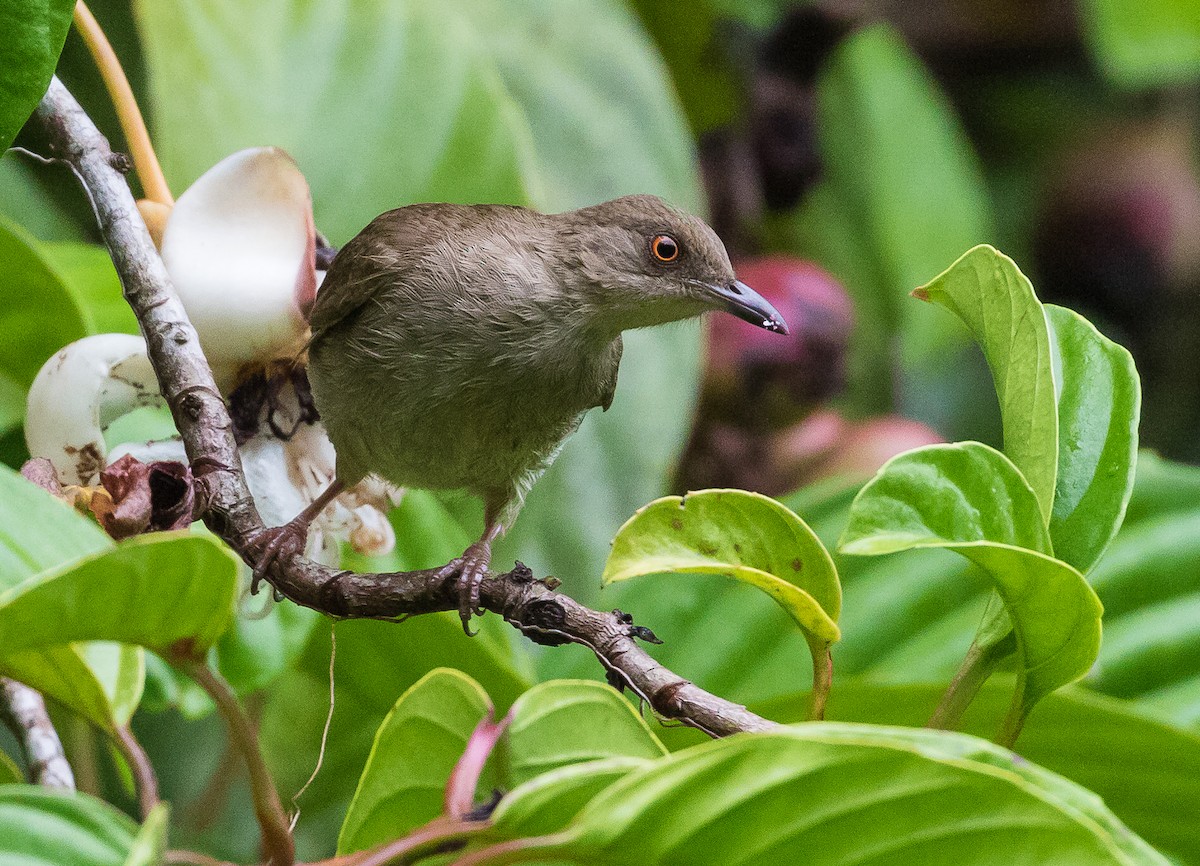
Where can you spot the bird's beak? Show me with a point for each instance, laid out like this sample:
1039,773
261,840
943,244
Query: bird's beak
745,303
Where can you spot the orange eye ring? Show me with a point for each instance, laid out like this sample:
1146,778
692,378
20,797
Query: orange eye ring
664,248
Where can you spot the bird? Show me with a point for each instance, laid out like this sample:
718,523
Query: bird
457,346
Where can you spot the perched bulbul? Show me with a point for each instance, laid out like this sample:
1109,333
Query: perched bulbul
458,346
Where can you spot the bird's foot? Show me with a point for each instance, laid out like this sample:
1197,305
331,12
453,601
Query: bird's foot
471,569
277,541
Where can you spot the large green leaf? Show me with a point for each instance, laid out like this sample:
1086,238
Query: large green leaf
746,536
1150,44
548,801
902,194
969,498
837,793
39,533
88,271
52,827
516,103
567,722
414,753
34,31
39,314
995,300
1108,746
157,591
1099,405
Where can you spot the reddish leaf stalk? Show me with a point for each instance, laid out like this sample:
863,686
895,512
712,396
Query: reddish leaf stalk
278,846
144,780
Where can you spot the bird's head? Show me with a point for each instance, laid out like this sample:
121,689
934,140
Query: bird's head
638,262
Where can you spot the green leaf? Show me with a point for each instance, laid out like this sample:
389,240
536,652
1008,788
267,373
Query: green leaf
836,793
700,69
88,271
1151,44
154,590
995,300
746,536
566,722
1099,406
902,194
969,498
38,312
1108,746
9,771
39,533
414,753
41,825
150,844
34,32
547,802
530,109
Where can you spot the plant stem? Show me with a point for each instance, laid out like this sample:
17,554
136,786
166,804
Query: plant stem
977,666
145,160
438,836
278,846
144,779
822,681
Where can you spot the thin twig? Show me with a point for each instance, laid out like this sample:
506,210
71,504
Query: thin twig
144,780
25,712
145,160
278,847
203,421
324,731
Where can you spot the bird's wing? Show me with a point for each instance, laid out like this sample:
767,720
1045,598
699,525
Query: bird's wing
609,387
371,261
358,272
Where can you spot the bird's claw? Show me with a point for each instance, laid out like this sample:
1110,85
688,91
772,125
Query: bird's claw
274,542
471,569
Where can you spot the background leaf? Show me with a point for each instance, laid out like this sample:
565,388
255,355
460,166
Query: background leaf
902,193
39,315
34,33
1148,44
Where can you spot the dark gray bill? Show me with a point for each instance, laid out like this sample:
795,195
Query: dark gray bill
745,303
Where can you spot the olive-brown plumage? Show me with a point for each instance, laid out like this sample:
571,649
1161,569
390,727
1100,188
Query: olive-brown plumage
457,346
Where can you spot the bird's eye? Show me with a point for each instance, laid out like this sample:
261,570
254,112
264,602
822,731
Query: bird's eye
664,248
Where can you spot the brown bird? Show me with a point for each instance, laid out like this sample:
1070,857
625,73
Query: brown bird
458,346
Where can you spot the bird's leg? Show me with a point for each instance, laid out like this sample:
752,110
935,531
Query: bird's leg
290,537
471,569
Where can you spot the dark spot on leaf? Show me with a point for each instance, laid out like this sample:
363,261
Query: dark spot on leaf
797,564
708,549
676,524
737,548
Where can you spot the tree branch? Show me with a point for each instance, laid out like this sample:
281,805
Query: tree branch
228,509
25,711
